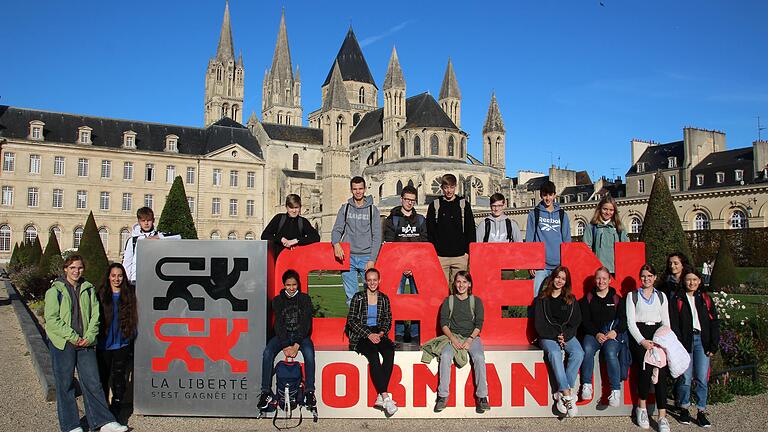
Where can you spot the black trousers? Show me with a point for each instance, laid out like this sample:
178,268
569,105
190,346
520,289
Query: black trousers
114,366
644,375
381,370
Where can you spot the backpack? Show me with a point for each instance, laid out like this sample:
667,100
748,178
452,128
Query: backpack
536,213
488,230
370,219
635,296
289,381
707,303
462,206
284,219
594,236
471,306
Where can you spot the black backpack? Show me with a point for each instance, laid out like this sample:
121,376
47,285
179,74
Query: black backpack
488,230
289,381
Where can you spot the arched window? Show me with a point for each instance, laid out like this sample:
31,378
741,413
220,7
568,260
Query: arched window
462,152
295,161
77,235
416,146
451,145
580,227
361,95
355,119
434,145
738,220
215,235
235,109
30,233
232,236
490,152
402,147
701,221
125,235
399,187
104,235
339,129
635,225
381,190
249,235
5,238
410,183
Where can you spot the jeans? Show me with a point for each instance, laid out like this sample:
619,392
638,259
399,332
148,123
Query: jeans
349,278
268,360
610,354
64,363
114,366
697,371
538,280
477,355
380,369
565,375
401,327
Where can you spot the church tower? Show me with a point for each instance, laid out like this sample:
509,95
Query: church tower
450,95
494,137
394,100
336,121
224,93
281,92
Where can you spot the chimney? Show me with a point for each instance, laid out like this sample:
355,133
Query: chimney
760,155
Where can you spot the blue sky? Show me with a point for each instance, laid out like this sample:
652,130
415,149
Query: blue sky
575,80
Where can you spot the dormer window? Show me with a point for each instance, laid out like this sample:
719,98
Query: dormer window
739,175
641,167
129,139
36,130
699,179
672,162
172,143
720,177
84,135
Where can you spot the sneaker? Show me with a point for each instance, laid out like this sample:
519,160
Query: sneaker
663,424
614,399
482,405
77,429
310,400
379,401
264,400
586,391
570,406
440,403
702,420
113,427
389,406
641,416
684,417
559,405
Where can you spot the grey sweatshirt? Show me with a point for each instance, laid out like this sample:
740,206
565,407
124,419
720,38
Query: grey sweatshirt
362,233
498,230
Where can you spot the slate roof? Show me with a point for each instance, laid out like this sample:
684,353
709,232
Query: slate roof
450,87
420,111
573,191
297,134
62,128
352,62
535,183
656,157
726,162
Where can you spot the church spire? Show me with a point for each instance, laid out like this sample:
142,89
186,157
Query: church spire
282,68
226,49
493,120
450,87
337,93
494,137
394,77
281,97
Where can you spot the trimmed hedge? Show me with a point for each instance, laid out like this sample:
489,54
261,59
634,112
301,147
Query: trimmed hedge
748,246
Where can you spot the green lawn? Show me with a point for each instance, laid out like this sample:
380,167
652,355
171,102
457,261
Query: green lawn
327,292
751,302
743,273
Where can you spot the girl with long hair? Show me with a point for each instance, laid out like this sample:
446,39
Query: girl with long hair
557,317
117,330
672,279
604,230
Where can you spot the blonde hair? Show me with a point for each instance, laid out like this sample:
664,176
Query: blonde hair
616,219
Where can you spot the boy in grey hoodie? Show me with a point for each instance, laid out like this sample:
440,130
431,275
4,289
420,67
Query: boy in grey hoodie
497,227
547,223
358,223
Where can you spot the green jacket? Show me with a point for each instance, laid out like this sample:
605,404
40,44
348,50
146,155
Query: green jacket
58,314
605,235
433,347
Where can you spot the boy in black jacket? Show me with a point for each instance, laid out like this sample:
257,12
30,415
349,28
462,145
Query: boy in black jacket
293,326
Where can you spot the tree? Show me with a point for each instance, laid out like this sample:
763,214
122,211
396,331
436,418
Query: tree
92,251
23,253
13,264
662,232
35,252
176,217
51,256
724,273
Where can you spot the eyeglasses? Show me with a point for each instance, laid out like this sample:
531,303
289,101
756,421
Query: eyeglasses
497,206
412,201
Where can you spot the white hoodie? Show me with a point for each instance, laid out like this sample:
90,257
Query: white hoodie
129,251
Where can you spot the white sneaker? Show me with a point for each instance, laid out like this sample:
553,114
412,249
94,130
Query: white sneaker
641,415
389,406
77,429
663,424
586,391
559,403
614,399
570,405
379,401
113,427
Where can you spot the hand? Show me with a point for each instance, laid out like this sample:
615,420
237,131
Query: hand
154,237
561,339
369,265
338,252
287,351
710,354
82,343
601,338
647,344
467,343
408,273
532,273
284,241
374,337
611,334
456,344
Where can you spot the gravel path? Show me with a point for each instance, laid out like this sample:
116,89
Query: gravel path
23,407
